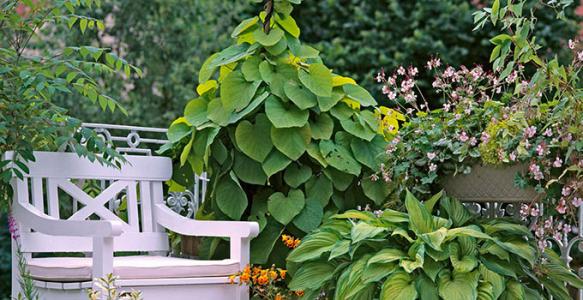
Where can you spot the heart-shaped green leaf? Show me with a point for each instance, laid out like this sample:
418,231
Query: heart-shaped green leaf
297,174
326,103
377,190
291,141
358,93
285,115
196,112
230,197
300,95
283,208
339,157
244,25
370,153
236,92
288,24
268,39
310,217
359,129
317,79
322,127
275,162
217,113
248,170
255,139
250,69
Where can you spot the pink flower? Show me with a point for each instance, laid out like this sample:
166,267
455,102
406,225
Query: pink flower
463,137
13,227
473,141
485,137
558,162
577,201
535,171
392,80
432,167
392,95
512,156
374,177
534,211
572,44
386,89
529,132
413,71
561,207
580,55
512,77
540,150
446,107
431,155
401,70
433,63
410,97
380,77
548,132
449,72
566,191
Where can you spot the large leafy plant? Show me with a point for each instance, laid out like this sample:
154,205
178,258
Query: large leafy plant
419,255
283,138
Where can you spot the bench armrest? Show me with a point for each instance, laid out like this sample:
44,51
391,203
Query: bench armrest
171,220
31,217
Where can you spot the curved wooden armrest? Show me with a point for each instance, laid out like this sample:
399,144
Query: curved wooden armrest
31,217
169,219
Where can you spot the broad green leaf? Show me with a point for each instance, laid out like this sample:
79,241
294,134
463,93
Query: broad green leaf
314,152
519,247
431,267
350,282
262,245
394,216
363,230
377,190
339,157
458,286
434,239
461,262
318,79
230,197
217,113
386,256
322,127
284,209
355,214
370,154
210,85
496,281
196,112
378,271
326,103
234,118
514,290
269,39
291,141
426,288
285,115
275,162
468,231
311,275
299,95
430,203
339,249
248,170
340,180
278,48
358,129
317,244
310,217
296,174
186,151
229,55
178,130
250,69
498,266
244,25
416,257
455,211
358,93
420,220
236,92
288,24
399,286
506,228
319,188
255,139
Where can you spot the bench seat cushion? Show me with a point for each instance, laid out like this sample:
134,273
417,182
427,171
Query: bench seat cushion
75,269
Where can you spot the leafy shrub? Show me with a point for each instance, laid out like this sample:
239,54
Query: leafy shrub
448,255
283,138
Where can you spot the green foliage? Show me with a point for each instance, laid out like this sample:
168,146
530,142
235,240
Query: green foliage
423,254
358,37
279,151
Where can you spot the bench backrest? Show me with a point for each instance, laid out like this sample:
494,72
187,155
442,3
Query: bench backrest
56,180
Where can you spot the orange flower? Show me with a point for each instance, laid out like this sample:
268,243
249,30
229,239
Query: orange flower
282,273
232,279
245,277
273,275
263,280
299,293
256,270
297,243
278,297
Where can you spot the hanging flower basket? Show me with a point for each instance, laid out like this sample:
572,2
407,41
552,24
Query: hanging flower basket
488,184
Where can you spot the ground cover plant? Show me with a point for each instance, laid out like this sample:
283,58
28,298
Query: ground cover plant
432,250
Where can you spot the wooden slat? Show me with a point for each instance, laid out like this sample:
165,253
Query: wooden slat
146,206
132,206
37,193
53,197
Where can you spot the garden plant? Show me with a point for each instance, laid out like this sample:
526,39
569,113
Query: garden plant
284,139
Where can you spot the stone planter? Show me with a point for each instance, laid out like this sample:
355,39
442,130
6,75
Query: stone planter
489,184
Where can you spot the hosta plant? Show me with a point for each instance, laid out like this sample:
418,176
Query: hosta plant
283,138
420,255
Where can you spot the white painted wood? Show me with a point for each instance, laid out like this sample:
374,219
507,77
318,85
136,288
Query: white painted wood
53,198
146,206
37,193
142,180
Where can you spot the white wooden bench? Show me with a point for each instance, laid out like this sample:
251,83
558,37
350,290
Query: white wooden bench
93,229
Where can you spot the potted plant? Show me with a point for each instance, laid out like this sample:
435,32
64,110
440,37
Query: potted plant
422,254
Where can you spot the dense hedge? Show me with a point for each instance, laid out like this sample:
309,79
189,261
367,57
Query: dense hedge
169,40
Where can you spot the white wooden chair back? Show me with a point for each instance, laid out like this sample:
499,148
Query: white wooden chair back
51,181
